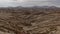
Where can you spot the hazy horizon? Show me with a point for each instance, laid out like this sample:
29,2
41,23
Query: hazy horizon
29,3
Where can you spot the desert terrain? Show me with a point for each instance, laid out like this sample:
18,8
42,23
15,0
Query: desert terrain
30,20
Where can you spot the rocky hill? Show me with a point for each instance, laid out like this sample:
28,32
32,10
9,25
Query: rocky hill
30,20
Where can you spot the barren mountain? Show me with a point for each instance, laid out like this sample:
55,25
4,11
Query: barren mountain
30,20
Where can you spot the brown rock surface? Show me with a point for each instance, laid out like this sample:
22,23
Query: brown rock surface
27,21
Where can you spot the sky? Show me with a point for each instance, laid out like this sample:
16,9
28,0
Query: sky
28,3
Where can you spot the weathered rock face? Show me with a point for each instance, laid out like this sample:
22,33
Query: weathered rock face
5,33
30,21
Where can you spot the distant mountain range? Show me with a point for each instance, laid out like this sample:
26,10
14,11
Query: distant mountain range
32,7
37,7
